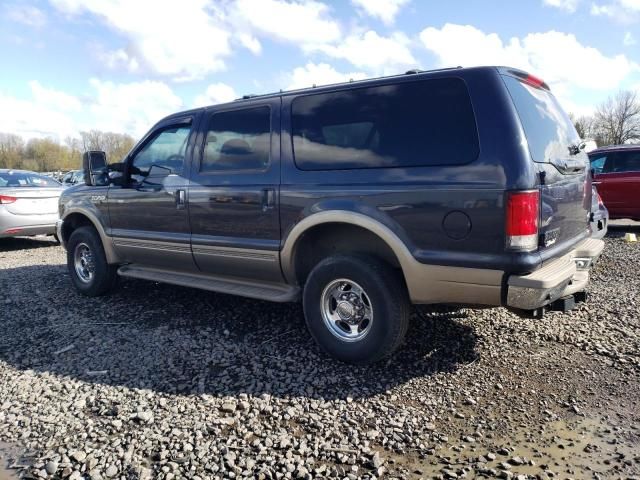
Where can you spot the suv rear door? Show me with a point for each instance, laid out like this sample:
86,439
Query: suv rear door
565,190
617,178
234,191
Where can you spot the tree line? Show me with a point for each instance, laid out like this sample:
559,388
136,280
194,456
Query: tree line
48,155
615,121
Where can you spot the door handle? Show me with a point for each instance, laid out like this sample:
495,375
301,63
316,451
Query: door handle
181,199
596,183
268,199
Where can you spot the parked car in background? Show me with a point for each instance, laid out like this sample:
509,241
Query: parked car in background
28,203
74,177
358,199
616,175
599,215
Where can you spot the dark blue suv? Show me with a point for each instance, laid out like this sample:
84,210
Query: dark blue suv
464,186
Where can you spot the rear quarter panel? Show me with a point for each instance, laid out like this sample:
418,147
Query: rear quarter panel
414,202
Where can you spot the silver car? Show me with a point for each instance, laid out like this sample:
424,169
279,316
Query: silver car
28,203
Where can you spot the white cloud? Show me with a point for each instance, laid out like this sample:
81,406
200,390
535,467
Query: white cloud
629,39
215,93
623,11
385,10
371,51
319,74
131,107
55,99
555,56
566,5
299,22
29,119
119,59
160,35
118,107
26,14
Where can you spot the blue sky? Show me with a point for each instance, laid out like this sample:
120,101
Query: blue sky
120,65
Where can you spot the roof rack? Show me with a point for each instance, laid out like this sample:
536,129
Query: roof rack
413,71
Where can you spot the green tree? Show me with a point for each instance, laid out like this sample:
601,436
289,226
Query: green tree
11,150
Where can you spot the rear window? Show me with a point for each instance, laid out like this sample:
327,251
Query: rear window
548,128
413,124
22,179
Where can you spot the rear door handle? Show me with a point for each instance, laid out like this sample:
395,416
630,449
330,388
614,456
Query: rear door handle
181,199
268,199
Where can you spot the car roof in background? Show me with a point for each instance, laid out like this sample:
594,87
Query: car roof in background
15,170
612,148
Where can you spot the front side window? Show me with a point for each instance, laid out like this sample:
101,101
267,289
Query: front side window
166,151
598,164
238,140
424,123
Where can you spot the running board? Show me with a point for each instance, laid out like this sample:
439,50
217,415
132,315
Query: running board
232,286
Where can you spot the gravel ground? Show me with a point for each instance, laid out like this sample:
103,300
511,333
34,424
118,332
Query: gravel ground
157,381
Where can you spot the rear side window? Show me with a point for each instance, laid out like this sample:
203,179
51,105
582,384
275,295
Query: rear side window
548,128
626,162
238,140
425,123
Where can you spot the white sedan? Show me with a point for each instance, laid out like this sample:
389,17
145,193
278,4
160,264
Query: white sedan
28,203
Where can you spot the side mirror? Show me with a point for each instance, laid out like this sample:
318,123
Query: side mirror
94,165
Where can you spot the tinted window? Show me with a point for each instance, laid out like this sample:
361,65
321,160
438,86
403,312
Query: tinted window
548,128
626,162
412,124
598,163
166,151
22,179
238,140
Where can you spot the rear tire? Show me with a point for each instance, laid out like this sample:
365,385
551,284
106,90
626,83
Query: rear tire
87,263
356,308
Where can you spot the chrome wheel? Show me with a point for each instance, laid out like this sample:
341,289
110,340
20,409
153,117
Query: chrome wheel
83,262
346,310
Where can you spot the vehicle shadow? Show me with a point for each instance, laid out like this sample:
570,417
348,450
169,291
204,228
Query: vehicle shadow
620,228
23,243
183,341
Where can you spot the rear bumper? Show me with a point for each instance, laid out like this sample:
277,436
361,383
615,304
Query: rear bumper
12,225
29,231
556,279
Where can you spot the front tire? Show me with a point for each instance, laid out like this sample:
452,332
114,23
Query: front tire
356,308
87,263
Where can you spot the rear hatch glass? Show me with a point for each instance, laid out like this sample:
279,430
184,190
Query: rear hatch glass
565,191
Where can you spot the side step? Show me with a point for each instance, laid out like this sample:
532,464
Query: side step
233,286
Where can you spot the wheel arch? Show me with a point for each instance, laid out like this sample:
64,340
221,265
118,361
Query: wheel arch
76,219
362,233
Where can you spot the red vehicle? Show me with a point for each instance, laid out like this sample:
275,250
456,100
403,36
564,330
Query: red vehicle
616,175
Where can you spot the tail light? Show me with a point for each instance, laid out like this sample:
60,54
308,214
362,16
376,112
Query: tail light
600,202
521,226
7,199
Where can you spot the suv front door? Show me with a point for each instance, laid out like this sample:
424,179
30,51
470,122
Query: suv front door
149,219
234,191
